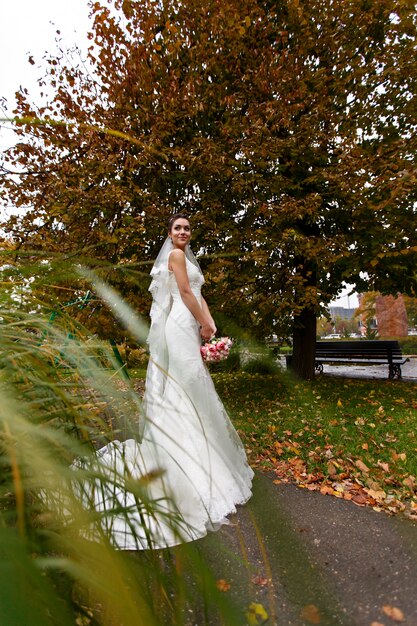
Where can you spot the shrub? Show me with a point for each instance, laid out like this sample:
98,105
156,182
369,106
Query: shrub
231,364
134,358
263,365
408,344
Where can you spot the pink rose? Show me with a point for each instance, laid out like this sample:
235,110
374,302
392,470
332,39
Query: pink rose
216,350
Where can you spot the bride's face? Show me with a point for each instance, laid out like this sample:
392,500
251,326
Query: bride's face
180,232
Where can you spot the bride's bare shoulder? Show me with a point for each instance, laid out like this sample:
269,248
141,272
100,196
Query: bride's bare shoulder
176,257
177,254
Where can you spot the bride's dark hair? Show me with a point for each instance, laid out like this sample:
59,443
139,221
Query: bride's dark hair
174,218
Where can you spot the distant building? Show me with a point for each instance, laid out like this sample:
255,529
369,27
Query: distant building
338,322
339,312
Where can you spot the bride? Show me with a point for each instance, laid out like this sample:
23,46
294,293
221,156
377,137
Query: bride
190,469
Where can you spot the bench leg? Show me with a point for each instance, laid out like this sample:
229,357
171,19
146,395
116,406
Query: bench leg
318,367
395,372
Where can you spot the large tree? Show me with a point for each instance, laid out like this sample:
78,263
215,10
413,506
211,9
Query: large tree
286,128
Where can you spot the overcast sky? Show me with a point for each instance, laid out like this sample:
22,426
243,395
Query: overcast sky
28,27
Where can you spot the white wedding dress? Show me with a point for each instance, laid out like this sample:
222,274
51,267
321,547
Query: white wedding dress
190,469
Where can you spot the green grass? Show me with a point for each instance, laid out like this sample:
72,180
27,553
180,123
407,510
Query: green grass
353,438
61,398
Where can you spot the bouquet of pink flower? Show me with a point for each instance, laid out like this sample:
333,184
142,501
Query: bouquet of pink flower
216,349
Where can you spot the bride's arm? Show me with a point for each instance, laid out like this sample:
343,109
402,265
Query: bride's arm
178,266
206,310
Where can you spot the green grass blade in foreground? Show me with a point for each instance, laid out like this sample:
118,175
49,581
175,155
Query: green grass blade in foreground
52,412
134,324
26,596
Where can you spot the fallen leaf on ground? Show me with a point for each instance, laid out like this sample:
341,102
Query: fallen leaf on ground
366,488
279,447
259,580
377,624
310,613
256,614
383,466
222,585
360,499
377,494
361,466
410,482
393,612
331,468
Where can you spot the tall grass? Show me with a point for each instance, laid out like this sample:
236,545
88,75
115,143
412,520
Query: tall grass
62,398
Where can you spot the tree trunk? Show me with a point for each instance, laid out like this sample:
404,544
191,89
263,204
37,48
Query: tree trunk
304,344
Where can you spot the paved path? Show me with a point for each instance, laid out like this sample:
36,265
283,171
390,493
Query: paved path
313,559
409,370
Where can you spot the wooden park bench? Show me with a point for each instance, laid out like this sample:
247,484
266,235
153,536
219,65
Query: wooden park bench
362,352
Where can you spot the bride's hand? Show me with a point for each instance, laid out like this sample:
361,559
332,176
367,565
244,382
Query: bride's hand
207,331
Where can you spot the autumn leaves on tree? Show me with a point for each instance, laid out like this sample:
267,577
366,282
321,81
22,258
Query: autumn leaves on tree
286,129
